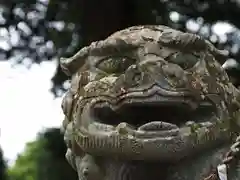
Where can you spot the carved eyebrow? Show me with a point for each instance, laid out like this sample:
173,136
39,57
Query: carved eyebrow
72,64
99,48
110,46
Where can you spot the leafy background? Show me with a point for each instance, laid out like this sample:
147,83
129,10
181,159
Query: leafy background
33,31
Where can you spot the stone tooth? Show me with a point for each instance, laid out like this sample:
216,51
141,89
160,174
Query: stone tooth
122,128
206,124
190,123
193,126
96,143
92,142
157,125
185,130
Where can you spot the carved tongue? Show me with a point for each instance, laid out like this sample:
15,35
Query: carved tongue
157,126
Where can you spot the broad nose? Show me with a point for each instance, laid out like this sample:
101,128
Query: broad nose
166,75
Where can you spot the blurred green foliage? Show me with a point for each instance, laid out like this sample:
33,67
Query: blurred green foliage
3,167
43,159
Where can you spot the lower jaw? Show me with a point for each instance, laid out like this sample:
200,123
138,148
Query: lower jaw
187,169
165,148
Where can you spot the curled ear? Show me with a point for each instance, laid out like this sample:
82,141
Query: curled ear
175,38
220,55
72,64
232,67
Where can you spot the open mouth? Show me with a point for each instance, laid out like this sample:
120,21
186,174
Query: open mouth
147,119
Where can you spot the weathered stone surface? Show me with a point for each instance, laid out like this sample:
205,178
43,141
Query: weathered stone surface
149,102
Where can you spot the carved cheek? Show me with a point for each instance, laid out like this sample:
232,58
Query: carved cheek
75,83
67,104
65,123
71,159
68,134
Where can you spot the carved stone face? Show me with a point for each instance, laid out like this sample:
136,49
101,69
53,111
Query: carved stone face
148,93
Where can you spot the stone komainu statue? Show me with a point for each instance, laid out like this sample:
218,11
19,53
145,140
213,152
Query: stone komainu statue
151,103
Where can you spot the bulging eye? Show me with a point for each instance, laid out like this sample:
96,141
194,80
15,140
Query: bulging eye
185,61
115,64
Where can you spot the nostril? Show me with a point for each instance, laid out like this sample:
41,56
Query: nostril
172,70
133,76
137,77
175,75
85,172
